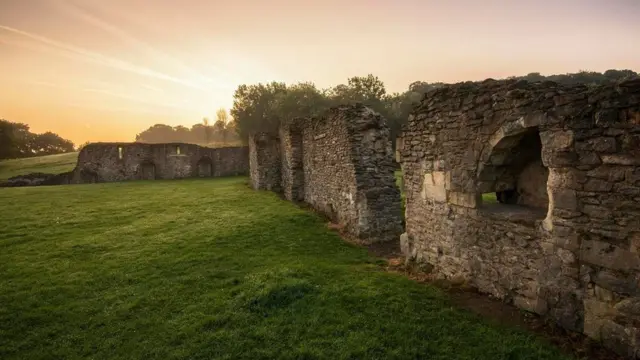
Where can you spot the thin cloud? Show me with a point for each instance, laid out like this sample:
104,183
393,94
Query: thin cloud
107,92
100,59
113,29
152,88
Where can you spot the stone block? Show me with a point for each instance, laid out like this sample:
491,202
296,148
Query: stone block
608,255
556,140
563,199
529,304
603,144
620,159
469,200
595,313
597,185
569,178
597,211
558,159
634,242
433,186
618,338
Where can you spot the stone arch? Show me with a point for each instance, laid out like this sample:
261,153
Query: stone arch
204,167
147,170
512,167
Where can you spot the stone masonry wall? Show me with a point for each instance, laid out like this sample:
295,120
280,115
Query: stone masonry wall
264,162
292,151
564,239
108,162
341,164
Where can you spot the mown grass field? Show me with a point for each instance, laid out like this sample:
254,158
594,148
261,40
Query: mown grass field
209,269
51,164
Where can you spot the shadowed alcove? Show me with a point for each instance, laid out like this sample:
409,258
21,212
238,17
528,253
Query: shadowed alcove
514,172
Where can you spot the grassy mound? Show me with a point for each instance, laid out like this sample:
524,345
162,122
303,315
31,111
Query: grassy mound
51,164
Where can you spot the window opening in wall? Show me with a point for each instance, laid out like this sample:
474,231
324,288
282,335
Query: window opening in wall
120,152
514,179
178,149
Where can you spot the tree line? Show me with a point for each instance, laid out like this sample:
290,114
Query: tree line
17,141
221,132
261,107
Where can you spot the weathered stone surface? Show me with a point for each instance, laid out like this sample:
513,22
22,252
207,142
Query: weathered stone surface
37,179
434,186
341,164
264,162
608,256
111,162
557,139
570,152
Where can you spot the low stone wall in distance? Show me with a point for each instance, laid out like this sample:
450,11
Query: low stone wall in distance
109,162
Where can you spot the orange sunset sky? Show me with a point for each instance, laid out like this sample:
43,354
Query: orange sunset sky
104,70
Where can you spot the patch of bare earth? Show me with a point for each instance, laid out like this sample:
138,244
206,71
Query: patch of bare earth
468,298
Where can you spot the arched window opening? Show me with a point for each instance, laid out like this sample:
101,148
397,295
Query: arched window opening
120,152
514,175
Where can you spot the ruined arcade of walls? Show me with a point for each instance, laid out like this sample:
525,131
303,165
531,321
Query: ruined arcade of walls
341,164
564,161
109,162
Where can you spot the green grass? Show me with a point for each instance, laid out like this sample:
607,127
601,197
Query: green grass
203,269
51,164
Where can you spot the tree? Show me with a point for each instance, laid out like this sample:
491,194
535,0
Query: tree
16,140
368,90
49,144
158,133
222,119
299,101
202,131
253,108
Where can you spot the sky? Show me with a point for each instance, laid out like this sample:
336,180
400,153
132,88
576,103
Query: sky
105,70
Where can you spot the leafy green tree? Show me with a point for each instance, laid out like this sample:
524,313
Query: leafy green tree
253,108
16,140
300,100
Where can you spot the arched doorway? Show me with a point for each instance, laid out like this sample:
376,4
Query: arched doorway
205,167
148,171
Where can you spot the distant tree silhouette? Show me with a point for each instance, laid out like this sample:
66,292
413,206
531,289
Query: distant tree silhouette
16,141
202,134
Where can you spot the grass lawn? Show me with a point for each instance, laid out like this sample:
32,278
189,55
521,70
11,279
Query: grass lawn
202,269
52,164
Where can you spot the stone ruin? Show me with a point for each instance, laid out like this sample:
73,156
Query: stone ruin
107,162
563,237
341,164
110,162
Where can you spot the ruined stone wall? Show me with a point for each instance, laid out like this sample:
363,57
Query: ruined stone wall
341,164
264,162
348,172
291,153
109,162
564,240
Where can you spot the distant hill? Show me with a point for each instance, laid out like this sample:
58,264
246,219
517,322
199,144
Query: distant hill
51,164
